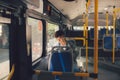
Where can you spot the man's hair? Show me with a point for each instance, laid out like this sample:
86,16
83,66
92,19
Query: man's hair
59,33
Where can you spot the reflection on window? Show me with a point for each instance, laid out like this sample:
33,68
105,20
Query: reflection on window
36,37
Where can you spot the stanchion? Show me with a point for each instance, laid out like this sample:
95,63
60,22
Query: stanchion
96,38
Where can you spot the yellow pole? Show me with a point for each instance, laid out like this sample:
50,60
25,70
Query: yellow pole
114,18
84,35
11,73
88,3
83,17
117,10
38,72
96,38
107,23
84,32
86,41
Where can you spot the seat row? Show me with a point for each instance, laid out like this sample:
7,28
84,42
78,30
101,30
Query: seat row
108,42
102,32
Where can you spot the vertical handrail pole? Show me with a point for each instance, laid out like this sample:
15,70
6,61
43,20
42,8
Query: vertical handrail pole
86,41
84,26
96,38
84,35
11,72
113,49
107,23
84,32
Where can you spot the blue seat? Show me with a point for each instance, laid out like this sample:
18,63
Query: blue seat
102,32
118,42
92,33
74,33
107,43
61,59
117,31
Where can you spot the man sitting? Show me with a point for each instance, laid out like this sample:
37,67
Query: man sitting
59,35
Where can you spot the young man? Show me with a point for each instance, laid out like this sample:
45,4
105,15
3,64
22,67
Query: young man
59,35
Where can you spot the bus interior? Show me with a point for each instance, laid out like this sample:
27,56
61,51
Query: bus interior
27,40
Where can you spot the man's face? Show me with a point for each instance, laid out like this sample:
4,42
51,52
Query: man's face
60,39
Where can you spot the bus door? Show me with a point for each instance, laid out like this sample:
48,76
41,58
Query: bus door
14,62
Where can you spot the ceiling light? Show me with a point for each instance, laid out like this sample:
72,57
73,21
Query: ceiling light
105,9
69,0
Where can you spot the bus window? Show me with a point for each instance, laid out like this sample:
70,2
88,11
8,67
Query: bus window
4,51
51,41
36,37
78,28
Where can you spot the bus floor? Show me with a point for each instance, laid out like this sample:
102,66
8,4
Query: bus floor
103,74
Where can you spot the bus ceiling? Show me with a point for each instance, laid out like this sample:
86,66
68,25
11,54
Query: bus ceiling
71,11
74,10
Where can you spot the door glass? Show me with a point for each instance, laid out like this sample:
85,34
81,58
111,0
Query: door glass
4,51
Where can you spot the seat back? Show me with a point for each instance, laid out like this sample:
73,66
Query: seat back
118,41
61,59
107,42
102,32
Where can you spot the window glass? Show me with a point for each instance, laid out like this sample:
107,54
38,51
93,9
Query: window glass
4,51
36,37
78,28
51,41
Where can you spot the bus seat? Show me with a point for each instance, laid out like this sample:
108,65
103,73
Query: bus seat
92,33
118,41
107,42
73,33
102,32
61,59
117,31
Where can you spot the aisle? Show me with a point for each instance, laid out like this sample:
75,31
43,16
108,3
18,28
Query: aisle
104,74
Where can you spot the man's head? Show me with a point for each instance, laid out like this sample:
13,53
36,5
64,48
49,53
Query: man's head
59,35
